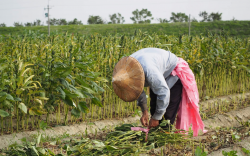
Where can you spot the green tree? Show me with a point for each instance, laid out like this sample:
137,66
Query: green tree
95,20
53,21
28,24
205,16
2,25
17,24
178,17
37,22
75,22
210,17
143,16
62,22
163,20
215,16
194,20
116,19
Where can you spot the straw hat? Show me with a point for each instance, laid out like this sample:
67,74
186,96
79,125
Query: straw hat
128,79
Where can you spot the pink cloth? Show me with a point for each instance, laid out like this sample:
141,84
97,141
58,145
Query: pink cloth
141,129
188,112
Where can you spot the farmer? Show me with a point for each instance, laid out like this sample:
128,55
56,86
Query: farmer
172,87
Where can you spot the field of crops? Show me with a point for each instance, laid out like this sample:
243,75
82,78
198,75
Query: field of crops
65,78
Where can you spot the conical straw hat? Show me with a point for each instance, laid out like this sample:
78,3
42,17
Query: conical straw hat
128,79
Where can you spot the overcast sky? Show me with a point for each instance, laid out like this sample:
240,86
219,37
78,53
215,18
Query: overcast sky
29,10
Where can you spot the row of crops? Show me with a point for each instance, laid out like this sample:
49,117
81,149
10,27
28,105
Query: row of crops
66,78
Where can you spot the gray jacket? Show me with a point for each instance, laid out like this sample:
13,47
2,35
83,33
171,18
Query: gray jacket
157,65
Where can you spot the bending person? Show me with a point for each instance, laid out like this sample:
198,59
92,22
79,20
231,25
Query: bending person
172,87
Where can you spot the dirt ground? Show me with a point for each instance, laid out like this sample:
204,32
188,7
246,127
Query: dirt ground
230,119
237,147
90,127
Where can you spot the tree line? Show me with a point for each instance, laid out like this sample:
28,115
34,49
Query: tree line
138,17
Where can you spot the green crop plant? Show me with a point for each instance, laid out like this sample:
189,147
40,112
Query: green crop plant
42,86
71,73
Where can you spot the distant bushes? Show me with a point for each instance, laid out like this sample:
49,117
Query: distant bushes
232,28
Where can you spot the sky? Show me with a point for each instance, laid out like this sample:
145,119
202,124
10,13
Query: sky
29,10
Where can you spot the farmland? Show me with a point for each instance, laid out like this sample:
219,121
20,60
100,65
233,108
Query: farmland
65,78
233,28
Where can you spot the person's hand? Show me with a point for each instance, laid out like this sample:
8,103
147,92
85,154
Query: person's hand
153,123
144,118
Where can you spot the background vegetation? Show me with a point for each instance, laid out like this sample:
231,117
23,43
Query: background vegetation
57,79
232,28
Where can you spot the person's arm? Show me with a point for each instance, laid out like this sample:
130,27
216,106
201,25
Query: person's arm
142,101
159,86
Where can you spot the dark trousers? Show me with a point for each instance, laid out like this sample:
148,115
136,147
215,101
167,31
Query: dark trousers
175,99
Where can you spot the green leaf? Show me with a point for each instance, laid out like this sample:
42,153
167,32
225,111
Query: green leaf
87,89
39,101
3,66
97,87
3,97
34,152
9,97
26,80
83,107
42,94
41,150
245,151
163,123
95,74
66,73
64,83
3,113
43,125
98,145
70,95
152,146
81,65
237,137
17,99
76,112
69,78
23,107
231,153
198,151
203,154
82,82
69,152
38,139
19,91
26,70
35,111
27,84
59,89
69,101
101,79
7,104
50,152
87,94
80,95
42,98
96,101
111,148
